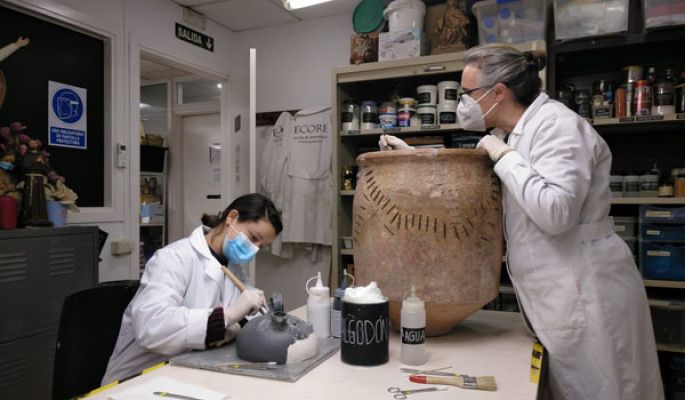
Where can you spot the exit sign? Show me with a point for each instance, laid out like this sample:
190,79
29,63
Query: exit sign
194,37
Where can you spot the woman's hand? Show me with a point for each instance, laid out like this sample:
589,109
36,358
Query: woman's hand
495,147
389,142
248,303
22,41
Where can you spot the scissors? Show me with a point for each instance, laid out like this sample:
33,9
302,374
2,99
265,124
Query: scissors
402,394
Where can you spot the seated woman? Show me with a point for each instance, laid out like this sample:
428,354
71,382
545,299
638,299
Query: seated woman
185,301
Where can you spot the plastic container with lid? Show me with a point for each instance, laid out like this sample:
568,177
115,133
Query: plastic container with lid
616,185
576,19
448,92
319,307
387,120
631,185
369,115
349,117
413,322
405,15
510,21
368,16
427,94
428,115
664,12
447,113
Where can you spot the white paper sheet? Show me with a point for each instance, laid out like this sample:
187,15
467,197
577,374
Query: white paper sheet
146,390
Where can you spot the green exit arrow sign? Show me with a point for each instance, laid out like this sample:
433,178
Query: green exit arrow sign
194,37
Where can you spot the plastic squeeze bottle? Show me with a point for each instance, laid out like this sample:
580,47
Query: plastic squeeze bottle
336,307
319,307
413,322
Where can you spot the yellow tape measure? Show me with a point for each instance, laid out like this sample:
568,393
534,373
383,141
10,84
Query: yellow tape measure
536,362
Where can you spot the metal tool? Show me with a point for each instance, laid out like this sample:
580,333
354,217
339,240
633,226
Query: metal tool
256,365
174,396
401,394
436,371
241,286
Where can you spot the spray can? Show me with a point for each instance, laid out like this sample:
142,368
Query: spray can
413,322
336,307
319,307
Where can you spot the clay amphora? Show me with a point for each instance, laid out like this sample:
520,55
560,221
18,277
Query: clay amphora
429,218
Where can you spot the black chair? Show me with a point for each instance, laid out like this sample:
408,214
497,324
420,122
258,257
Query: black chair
88,330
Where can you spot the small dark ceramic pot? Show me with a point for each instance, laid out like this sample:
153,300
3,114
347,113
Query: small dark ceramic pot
266,338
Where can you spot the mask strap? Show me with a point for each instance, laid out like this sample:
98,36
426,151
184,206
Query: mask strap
491,108
485,94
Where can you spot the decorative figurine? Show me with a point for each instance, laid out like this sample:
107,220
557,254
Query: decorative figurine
4,53
364,48
450,30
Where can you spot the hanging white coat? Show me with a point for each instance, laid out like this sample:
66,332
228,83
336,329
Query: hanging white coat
168,316
575,279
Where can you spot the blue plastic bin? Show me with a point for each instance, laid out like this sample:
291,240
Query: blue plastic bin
662,215
662,232
663,261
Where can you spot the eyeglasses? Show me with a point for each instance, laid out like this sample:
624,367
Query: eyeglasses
469,91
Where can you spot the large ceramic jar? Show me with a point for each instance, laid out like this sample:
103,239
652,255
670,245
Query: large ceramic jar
429,218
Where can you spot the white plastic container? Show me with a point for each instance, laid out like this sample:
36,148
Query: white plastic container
664,12
413,322
513,21
404,15
448,92
428,114
447,113
319,307
576,19
427,94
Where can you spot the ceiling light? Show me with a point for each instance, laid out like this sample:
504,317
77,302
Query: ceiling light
295,4
218,86
144,105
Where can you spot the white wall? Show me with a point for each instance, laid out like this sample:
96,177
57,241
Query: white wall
294,63
129,26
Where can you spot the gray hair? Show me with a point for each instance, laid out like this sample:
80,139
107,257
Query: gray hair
505,64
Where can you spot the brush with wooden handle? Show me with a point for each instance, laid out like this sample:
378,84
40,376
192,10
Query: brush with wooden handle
463,381
241,286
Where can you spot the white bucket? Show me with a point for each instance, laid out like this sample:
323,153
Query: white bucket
404,15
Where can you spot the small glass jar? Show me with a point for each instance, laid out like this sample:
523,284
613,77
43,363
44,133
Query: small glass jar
678,176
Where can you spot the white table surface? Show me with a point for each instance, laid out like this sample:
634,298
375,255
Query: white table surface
487,343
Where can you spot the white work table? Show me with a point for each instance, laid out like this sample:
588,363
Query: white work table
487,343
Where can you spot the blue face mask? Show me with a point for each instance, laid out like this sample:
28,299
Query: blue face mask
239,250
7,166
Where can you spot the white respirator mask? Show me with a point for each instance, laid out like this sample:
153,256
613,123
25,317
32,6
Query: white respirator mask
471,117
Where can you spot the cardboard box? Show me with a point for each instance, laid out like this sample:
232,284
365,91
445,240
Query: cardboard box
402,44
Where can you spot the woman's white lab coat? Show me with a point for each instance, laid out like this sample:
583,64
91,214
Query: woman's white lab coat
168,316
575,279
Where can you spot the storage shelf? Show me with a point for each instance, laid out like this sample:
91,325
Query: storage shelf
347,192
648,200
671,348
665,284
646,119
402,131
347,252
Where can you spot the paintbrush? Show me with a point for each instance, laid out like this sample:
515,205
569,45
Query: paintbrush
463,381
241,286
